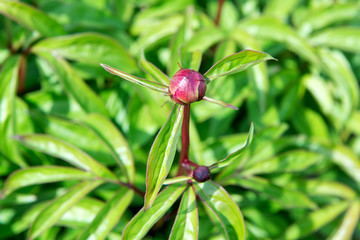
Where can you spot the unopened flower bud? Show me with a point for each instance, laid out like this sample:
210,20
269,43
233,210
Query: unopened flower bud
201,174
187,86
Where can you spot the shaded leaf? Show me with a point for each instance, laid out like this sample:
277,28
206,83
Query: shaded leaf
140,81
43,174
115,140
109,216
8,87
314,220
66,152
31,18
229,159
141,223
75,86
92,48
162,154
236,63
186,225
225,209
59,206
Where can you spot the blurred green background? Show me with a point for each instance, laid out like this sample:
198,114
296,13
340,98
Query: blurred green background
301,177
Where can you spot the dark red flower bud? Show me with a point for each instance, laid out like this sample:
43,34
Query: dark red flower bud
187,86
201,174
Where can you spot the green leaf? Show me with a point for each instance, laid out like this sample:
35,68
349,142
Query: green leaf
109,216
75,86
31,18
272,29
8,86
220,103
153,71
186,225
43,174
336,13
343,38
162,154
280,9
141,223
92,48
176,180
140,81
347,161
115,140
348,224
66,152
286,197
236,63
315,220
196,60
291,161
53,212
233,156
201,40
225,209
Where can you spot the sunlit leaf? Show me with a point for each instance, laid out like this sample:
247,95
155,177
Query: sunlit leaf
141,223
109,216
162,154
93,48
219,102
229,159
8,87
176,180
201,40
75,86
186,225
225,209
115,140
140,81
314,220
31,18
66,152
291,161
42,174
59,206
236,63
153,71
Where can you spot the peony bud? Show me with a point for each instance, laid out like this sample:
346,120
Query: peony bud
201,174
187,86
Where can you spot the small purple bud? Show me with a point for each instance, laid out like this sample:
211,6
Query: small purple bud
187,86
201,174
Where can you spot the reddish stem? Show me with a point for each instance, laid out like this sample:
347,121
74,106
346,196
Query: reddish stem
218,14
22,74
185,141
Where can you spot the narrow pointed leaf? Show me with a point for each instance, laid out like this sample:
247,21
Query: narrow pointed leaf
236,63
141,223
348,224
43,174
59,206
66,152
31,18
229,159
140,81
8,86
115,140
286,197
108,216
186,225
291,161
74,85
162,154
90,48
176,180
219,102
315,220
153,71
225,209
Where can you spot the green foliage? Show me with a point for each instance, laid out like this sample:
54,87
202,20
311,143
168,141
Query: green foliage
88,155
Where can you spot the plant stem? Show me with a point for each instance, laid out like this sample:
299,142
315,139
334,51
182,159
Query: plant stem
218,14
185,142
